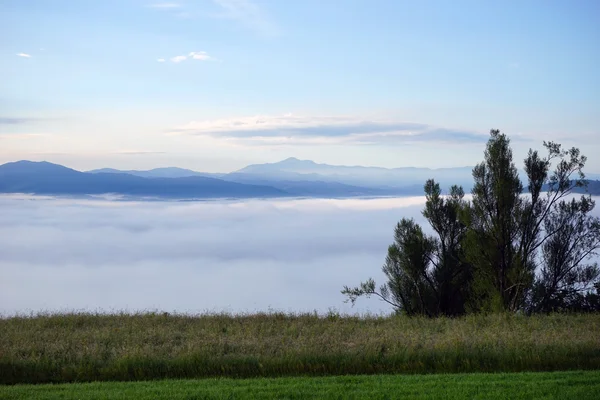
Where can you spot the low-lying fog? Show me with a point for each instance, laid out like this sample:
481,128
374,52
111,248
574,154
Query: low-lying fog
233,256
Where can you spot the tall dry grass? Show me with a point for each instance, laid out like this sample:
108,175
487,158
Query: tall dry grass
91,347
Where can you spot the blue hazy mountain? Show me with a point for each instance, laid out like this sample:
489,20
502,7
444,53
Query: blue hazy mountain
305,173
314,188
291,177
406,180
53,179
166,172
293,169
593,187
320,188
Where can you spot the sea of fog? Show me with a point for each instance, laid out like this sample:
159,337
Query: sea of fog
233,256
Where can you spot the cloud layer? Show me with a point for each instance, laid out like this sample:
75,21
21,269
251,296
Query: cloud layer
291,129
292,255
14,121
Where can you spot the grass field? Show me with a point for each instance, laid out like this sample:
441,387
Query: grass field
580,385
122,347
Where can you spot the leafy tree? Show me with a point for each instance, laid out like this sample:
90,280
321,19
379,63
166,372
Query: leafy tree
571,236
565,281
503,250
451,274
494,220
507,231
425,274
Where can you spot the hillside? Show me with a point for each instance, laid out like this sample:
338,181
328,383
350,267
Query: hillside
52,179
48,178
594,187
290,177
166,172
293,169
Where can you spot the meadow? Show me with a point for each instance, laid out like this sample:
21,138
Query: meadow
83,347
580,385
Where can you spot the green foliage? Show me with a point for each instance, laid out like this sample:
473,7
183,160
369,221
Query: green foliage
502,274
451,274
426,274
87,347
565,281
577,385
501,251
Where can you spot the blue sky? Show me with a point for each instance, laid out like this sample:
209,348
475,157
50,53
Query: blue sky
214,85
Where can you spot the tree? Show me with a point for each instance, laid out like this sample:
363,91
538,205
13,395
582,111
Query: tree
451,273
507,230
502,251
426,274
571,236
502,272
565,280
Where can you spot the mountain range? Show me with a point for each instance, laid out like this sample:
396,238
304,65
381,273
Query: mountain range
287,178
295,170
53,179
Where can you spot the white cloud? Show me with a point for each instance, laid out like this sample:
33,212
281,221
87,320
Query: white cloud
139,152
200,55
161,60
247,13
25,55
194,55
289,129
24,135
178,59
165,6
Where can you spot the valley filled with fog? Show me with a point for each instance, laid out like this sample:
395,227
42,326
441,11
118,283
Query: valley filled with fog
291,255
234,256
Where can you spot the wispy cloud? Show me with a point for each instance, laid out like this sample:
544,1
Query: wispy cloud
165,6
298,130
194,55
50,153
200,55
24,55
178,59
138,152
161,60
24,136
247,13
18,120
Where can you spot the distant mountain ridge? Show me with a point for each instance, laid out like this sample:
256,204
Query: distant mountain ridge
295,164
293,169
290,177
53,179
165,172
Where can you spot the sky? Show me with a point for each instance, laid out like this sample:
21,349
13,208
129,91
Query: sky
215,85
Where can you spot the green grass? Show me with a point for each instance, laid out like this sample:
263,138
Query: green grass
579,385
122,347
